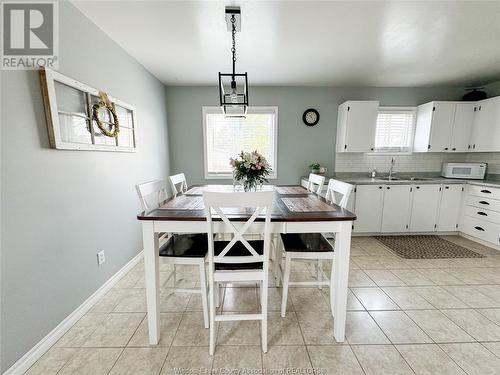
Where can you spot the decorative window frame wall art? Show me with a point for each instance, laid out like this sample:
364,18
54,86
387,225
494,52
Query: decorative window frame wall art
70,120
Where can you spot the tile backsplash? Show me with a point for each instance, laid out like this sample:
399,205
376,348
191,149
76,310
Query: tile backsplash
492,158
417,162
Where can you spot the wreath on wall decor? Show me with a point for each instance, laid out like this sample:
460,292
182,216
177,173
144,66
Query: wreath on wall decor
114,127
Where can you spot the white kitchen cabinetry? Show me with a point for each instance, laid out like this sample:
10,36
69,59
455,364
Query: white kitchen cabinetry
396,210
450,208
425,205
443,127
486,126
356,126
368,208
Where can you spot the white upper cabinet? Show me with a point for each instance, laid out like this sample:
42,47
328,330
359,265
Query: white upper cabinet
486,128
425,205
356,126
443,127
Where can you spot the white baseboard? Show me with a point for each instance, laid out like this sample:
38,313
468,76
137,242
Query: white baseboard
485,243
27,360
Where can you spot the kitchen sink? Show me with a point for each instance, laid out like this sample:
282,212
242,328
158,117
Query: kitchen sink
403,178
389,178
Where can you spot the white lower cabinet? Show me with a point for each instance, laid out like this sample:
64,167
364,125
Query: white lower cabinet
425,206
368,208
450,208
396,208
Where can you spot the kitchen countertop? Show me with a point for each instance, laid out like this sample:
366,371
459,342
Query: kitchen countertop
361,179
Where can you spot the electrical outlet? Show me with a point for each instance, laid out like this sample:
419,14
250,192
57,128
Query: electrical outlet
100,257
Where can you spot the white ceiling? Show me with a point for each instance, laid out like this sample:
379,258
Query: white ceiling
328,43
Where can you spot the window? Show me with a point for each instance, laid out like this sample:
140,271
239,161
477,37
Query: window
394,131
226,137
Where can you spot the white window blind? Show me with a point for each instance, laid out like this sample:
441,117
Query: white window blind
394,131
225,137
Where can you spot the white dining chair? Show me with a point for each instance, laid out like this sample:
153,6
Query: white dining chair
315,183
178,183
311,247
240,259
185,249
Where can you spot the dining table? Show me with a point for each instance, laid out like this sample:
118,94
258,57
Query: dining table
295,210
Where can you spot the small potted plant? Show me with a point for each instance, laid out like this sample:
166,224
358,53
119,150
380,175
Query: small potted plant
315,168
250,169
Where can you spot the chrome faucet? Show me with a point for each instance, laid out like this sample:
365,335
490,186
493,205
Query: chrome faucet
391,169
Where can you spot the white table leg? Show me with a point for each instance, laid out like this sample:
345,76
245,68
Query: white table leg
151,265
341,277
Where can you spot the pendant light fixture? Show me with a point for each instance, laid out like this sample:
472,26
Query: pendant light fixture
233,87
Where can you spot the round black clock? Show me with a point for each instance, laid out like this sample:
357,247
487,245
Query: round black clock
310,117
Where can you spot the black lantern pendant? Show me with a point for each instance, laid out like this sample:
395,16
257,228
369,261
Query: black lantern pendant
233,87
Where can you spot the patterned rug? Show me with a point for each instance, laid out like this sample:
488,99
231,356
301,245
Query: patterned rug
426,247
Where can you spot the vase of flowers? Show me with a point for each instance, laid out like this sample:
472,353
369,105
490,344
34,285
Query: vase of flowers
250,169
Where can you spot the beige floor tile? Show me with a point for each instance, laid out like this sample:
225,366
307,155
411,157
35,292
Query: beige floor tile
183,279
491,291
491,314
475,359
283,331
358,278
439,298
471,296
109,301
308,299
169,322
362,329
81,331
381,360
353,303
115,330
384,278
374,299
399,328
493,347
274,300
191,331
394,263
129,280
241,300
440,276
412,277
370,263
429,360
316,327
245,332
334,360
490,274
140,361
419,263
475,324
195,303
229,359
52,361
438,326
469,276
287,358
95,361
184,359
133,300
406,298
173,302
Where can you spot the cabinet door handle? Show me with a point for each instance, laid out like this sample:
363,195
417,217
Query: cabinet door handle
484,202
446,148
453,149
418,187
479,228
380,187
482,213
446,187
486,191
388,187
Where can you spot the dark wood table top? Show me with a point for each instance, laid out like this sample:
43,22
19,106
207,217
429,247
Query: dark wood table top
280,213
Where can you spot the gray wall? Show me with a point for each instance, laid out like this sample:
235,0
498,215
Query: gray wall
298,145
60,207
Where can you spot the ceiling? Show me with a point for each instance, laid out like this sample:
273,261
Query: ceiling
325,43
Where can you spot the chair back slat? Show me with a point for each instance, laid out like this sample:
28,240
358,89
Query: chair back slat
336,188
152,193
315,183
178,183
260,202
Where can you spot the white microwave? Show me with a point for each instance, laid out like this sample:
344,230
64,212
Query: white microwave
473,171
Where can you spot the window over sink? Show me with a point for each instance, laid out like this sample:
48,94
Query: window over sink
225,137
394,130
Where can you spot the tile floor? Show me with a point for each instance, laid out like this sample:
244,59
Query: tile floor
405,316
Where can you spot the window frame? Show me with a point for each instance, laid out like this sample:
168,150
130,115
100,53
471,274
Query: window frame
254,109
412,133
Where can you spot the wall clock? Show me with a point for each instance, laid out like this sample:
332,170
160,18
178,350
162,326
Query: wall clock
310,117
